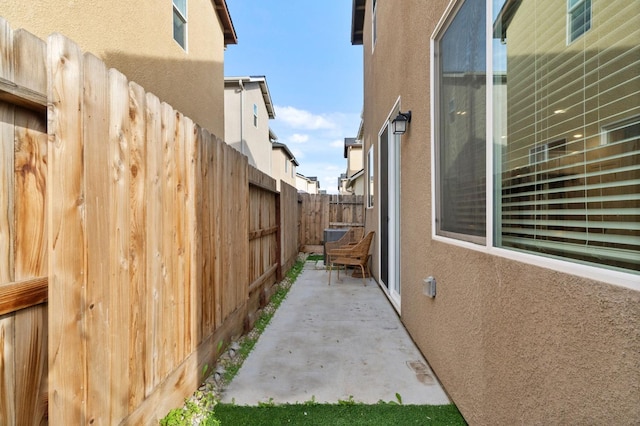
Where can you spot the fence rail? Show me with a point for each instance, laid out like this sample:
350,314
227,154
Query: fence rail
132,241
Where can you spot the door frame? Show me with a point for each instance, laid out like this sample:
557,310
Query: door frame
391,191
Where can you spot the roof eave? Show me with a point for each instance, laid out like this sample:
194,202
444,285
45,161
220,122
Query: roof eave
230,36
357,21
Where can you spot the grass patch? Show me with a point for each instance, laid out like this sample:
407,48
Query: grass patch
315,257
382,414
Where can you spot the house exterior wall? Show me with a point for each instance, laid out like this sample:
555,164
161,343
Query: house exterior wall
354,160
137,39
240,131
511,342
278,172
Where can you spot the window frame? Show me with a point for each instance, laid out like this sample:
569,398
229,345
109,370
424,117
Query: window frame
182,16
255,115
370,178
570,11
374,24
436,94
614,277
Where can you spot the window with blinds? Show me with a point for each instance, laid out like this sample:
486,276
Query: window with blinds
567,133
461,141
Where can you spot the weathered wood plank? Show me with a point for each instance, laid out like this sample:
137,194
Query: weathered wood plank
119,248
30,194
194,231
269,273
137,250
23,294
31,366
180,244
95,116
7,187
154,240
6,51
221,284
263,232
66,235
168,333
30,55
7,370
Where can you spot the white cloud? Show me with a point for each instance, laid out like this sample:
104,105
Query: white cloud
298,138
337,143
301,119
298,153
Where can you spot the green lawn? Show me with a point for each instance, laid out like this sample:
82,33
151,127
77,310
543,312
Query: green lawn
337,415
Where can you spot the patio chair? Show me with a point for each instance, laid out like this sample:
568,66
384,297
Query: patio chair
351,237
354,255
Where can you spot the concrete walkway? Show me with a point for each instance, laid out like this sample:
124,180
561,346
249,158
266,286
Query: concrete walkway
332,343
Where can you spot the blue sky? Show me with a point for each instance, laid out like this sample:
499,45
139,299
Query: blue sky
314,74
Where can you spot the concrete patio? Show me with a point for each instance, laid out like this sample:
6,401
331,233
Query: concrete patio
334,343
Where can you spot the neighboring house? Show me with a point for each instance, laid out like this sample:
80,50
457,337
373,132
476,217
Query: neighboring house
248,109
530,222
173,49
283,164
310,185
352,182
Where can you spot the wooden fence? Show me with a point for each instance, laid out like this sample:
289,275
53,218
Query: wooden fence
23,251
132,242
323,211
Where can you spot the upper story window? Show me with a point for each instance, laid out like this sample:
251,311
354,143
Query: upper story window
286,165
255,115
180,22
578,18
374,31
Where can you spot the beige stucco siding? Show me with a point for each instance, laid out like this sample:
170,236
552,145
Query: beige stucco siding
249,137
511,342
278,172
136,37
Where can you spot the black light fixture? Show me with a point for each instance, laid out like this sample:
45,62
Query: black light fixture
400,122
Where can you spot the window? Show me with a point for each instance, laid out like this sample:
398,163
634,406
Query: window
255,115
370,181
578,18
180,22
460,139
374,30
567,134
286,165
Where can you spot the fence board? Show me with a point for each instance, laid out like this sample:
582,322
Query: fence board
96,128
154,238
138,326
168,332
119,226
7,368
289,225
6,192
31,385
66,236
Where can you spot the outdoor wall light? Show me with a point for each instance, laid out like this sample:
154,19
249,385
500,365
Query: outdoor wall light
400,122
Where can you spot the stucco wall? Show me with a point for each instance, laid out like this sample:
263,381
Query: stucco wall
136,37
241,133
278,158
512,343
